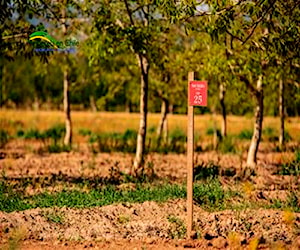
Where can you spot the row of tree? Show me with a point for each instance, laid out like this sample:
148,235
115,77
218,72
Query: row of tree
247,50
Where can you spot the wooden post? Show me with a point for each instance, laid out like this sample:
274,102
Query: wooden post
190,161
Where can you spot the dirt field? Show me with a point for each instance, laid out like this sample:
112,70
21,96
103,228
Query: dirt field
254,222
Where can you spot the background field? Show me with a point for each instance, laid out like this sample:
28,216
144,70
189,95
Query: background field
99,122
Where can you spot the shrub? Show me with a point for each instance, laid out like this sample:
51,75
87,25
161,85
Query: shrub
32,134
55,133
245,134
85,132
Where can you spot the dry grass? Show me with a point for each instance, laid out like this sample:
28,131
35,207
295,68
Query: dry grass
11,120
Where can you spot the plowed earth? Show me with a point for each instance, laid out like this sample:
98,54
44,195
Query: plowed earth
146,225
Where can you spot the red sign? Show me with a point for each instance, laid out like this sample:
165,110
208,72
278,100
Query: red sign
198,93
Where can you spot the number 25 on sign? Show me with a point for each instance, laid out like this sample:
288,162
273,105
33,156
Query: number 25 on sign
198,93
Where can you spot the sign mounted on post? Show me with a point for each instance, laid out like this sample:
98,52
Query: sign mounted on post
197,96
198,93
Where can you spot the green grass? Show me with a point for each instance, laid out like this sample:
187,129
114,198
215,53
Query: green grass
209,195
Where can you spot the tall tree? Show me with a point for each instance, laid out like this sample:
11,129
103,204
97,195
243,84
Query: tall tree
268,29
133,26
67,108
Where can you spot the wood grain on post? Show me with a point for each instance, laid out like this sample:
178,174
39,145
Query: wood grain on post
190,162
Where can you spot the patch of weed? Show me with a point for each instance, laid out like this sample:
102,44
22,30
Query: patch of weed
177,228
10,200
210,195
123,219
245,134
54,216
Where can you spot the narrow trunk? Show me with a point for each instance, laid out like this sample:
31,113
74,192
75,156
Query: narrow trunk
128,108
222,102
93,103
252,153
215,135
141,139
67,110
281,113
36,103
163,121
1,83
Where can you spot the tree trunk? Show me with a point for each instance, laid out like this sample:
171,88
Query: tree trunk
141,139
281,113
222,102
93,103
1,82
67,109
252,153
163,121
215,135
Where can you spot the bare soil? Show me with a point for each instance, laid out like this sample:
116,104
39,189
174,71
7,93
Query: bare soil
146,225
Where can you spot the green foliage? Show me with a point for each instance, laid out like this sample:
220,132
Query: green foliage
4,137
245,134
